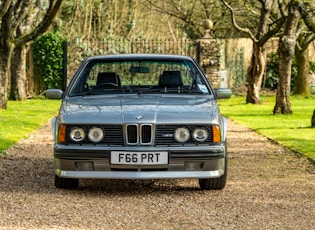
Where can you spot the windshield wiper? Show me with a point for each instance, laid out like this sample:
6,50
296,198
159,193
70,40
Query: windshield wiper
178,90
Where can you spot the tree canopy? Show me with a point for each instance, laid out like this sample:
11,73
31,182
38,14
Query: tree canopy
21,21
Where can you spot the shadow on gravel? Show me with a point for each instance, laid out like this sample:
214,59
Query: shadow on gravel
35,175
144,186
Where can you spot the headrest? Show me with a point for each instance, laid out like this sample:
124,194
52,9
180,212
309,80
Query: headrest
171,79
108,77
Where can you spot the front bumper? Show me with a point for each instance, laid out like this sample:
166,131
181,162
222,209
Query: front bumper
209,162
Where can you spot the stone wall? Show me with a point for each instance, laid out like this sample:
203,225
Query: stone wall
209,58
225,60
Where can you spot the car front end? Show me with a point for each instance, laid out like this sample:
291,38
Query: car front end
141,133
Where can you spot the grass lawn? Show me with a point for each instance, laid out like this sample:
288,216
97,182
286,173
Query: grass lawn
21,118
293,131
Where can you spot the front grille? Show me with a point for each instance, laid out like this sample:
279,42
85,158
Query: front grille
132,134
146,134
139,134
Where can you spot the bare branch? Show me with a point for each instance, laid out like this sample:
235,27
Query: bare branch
54,6
244,30
282,8
186,18
4,6
273,31
21,10
307,18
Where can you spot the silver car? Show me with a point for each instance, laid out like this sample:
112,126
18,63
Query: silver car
140,116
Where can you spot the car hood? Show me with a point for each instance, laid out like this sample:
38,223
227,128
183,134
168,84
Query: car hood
139,109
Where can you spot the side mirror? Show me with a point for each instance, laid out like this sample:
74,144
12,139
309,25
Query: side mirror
223,93
54,93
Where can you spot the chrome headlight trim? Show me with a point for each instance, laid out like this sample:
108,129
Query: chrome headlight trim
200,134
77,134
182,134
96,134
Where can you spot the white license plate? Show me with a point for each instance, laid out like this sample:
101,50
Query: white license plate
139,158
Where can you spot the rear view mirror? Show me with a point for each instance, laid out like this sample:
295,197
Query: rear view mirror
139,69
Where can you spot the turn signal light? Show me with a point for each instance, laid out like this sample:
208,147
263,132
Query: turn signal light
216,133
62,134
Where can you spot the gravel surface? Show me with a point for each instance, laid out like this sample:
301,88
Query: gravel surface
268,188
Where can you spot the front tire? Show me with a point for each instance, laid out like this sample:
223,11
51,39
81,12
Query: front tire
66,183
213,183
216,183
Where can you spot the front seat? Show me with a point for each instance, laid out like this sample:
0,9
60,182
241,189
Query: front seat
171,79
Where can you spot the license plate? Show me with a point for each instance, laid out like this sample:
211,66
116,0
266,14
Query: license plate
139,158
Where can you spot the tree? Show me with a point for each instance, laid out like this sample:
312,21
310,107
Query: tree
98,19
12,15
307,12
286,51
5,50
189,14
303,63
271,18
18,70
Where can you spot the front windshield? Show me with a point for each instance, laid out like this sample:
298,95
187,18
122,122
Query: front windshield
141,76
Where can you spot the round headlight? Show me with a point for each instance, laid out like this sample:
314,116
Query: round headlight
182,134
200,134
96,134
77,134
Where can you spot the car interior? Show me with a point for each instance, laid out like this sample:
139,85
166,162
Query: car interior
136,78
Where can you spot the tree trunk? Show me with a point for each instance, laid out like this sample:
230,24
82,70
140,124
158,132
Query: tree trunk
303,67
18,74
5,57
4,70
313,119
286,51
256,73
30,82
283,105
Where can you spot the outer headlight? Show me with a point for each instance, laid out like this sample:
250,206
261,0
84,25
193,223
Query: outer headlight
77,134
96,134
200,134
182,134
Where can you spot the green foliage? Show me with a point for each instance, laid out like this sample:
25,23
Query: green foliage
23,117
312,66
293,131
48,61
272,73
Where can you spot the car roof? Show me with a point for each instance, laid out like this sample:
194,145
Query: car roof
139,57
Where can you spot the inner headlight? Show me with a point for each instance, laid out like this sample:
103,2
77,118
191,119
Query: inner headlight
77,134
182,134
200,134
96,134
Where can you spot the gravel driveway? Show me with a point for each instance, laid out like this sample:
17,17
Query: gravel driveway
268,188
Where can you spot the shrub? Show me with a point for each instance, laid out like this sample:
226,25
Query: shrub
48,61
272,73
